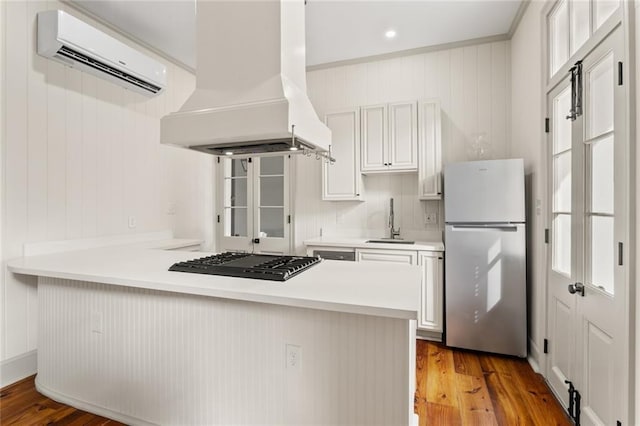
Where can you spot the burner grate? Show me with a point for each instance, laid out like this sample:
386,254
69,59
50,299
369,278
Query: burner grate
246,265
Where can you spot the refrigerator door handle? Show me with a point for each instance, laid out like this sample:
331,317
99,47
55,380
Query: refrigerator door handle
505,227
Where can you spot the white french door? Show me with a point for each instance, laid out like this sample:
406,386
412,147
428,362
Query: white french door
587,310
253,214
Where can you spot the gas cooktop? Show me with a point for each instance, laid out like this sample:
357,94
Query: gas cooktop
247,265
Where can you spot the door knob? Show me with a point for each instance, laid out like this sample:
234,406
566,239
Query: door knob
576,288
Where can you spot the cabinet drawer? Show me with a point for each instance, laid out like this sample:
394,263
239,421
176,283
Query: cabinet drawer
390,256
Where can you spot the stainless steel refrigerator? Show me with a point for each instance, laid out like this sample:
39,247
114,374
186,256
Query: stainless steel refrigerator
485,266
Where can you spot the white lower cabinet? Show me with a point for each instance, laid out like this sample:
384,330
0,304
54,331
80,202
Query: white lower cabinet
392,256
430,321
431,293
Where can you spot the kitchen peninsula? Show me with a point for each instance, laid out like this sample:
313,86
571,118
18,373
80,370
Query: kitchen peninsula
121,336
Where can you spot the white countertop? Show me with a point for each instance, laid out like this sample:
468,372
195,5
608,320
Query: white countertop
389,290
331,241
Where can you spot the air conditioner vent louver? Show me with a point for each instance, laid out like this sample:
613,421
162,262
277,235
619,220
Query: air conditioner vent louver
79,57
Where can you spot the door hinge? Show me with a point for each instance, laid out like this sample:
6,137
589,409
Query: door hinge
618,423
620,253
249,159
545,347
218,218
218,159
546,125
288,218
619,73
546,236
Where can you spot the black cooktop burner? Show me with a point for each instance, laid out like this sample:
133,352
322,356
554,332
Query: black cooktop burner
247,265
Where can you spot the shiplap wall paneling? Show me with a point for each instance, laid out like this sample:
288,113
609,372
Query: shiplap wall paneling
81,156
473,86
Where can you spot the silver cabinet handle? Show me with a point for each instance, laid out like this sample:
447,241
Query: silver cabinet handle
576,288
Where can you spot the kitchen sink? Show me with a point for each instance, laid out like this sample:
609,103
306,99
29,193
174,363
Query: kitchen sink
390,241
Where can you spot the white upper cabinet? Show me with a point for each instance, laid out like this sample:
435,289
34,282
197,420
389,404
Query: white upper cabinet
389,139
374,137
430,152
342,179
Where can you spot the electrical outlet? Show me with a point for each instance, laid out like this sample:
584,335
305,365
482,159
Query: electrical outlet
171,208
293,357
132,222
431,218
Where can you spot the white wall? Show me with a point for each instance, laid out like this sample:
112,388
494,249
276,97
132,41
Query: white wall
81,155
473,85
527,141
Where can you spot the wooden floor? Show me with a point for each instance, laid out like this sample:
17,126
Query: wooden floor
453,388
456,387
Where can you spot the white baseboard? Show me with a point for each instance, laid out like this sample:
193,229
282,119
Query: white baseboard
18,367
434,336
88,407
534,356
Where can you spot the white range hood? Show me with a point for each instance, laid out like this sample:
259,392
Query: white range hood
251,90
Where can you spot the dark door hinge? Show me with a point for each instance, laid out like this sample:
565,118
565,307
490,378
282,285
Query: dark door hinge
546,125
545,347
546,236
572,392
620,253
218,159
288,218
249,159
618,423
619,73
218,218
576,417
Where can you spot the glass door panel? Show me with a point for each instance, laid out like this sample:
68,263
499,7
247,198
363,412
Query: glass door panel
599,94
271,199
235,198
599,143
602,187
580,31
561,200
559,36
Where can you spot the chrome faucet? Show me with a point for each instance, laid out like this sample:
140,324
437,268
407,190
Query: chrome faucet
393,233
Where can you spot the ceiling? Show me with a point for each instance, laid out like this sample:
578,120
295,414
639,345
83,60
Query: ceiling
337,30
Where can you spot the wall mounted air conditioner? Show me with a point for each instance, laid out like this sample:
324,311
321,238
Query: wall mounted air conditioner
74,43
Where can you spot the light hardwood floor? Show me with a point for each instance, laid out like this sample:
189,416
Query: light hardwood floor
454,387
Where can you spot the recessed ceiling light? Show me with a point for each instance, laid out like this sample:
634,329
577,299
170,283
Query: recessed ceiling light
390,33
228,153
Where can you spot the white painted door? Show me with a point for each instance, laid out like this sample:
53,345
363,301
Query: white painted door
561,304
235,218
589,326
403,136
254,199
374,138
342,180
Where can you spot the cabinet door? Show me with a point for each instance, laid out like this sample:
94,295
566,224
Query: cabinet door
430,154
392,256
431,293
374,138
342,180
403,136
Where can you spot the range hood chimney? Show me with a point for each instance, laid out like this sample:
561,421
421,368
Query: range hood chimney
251,89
